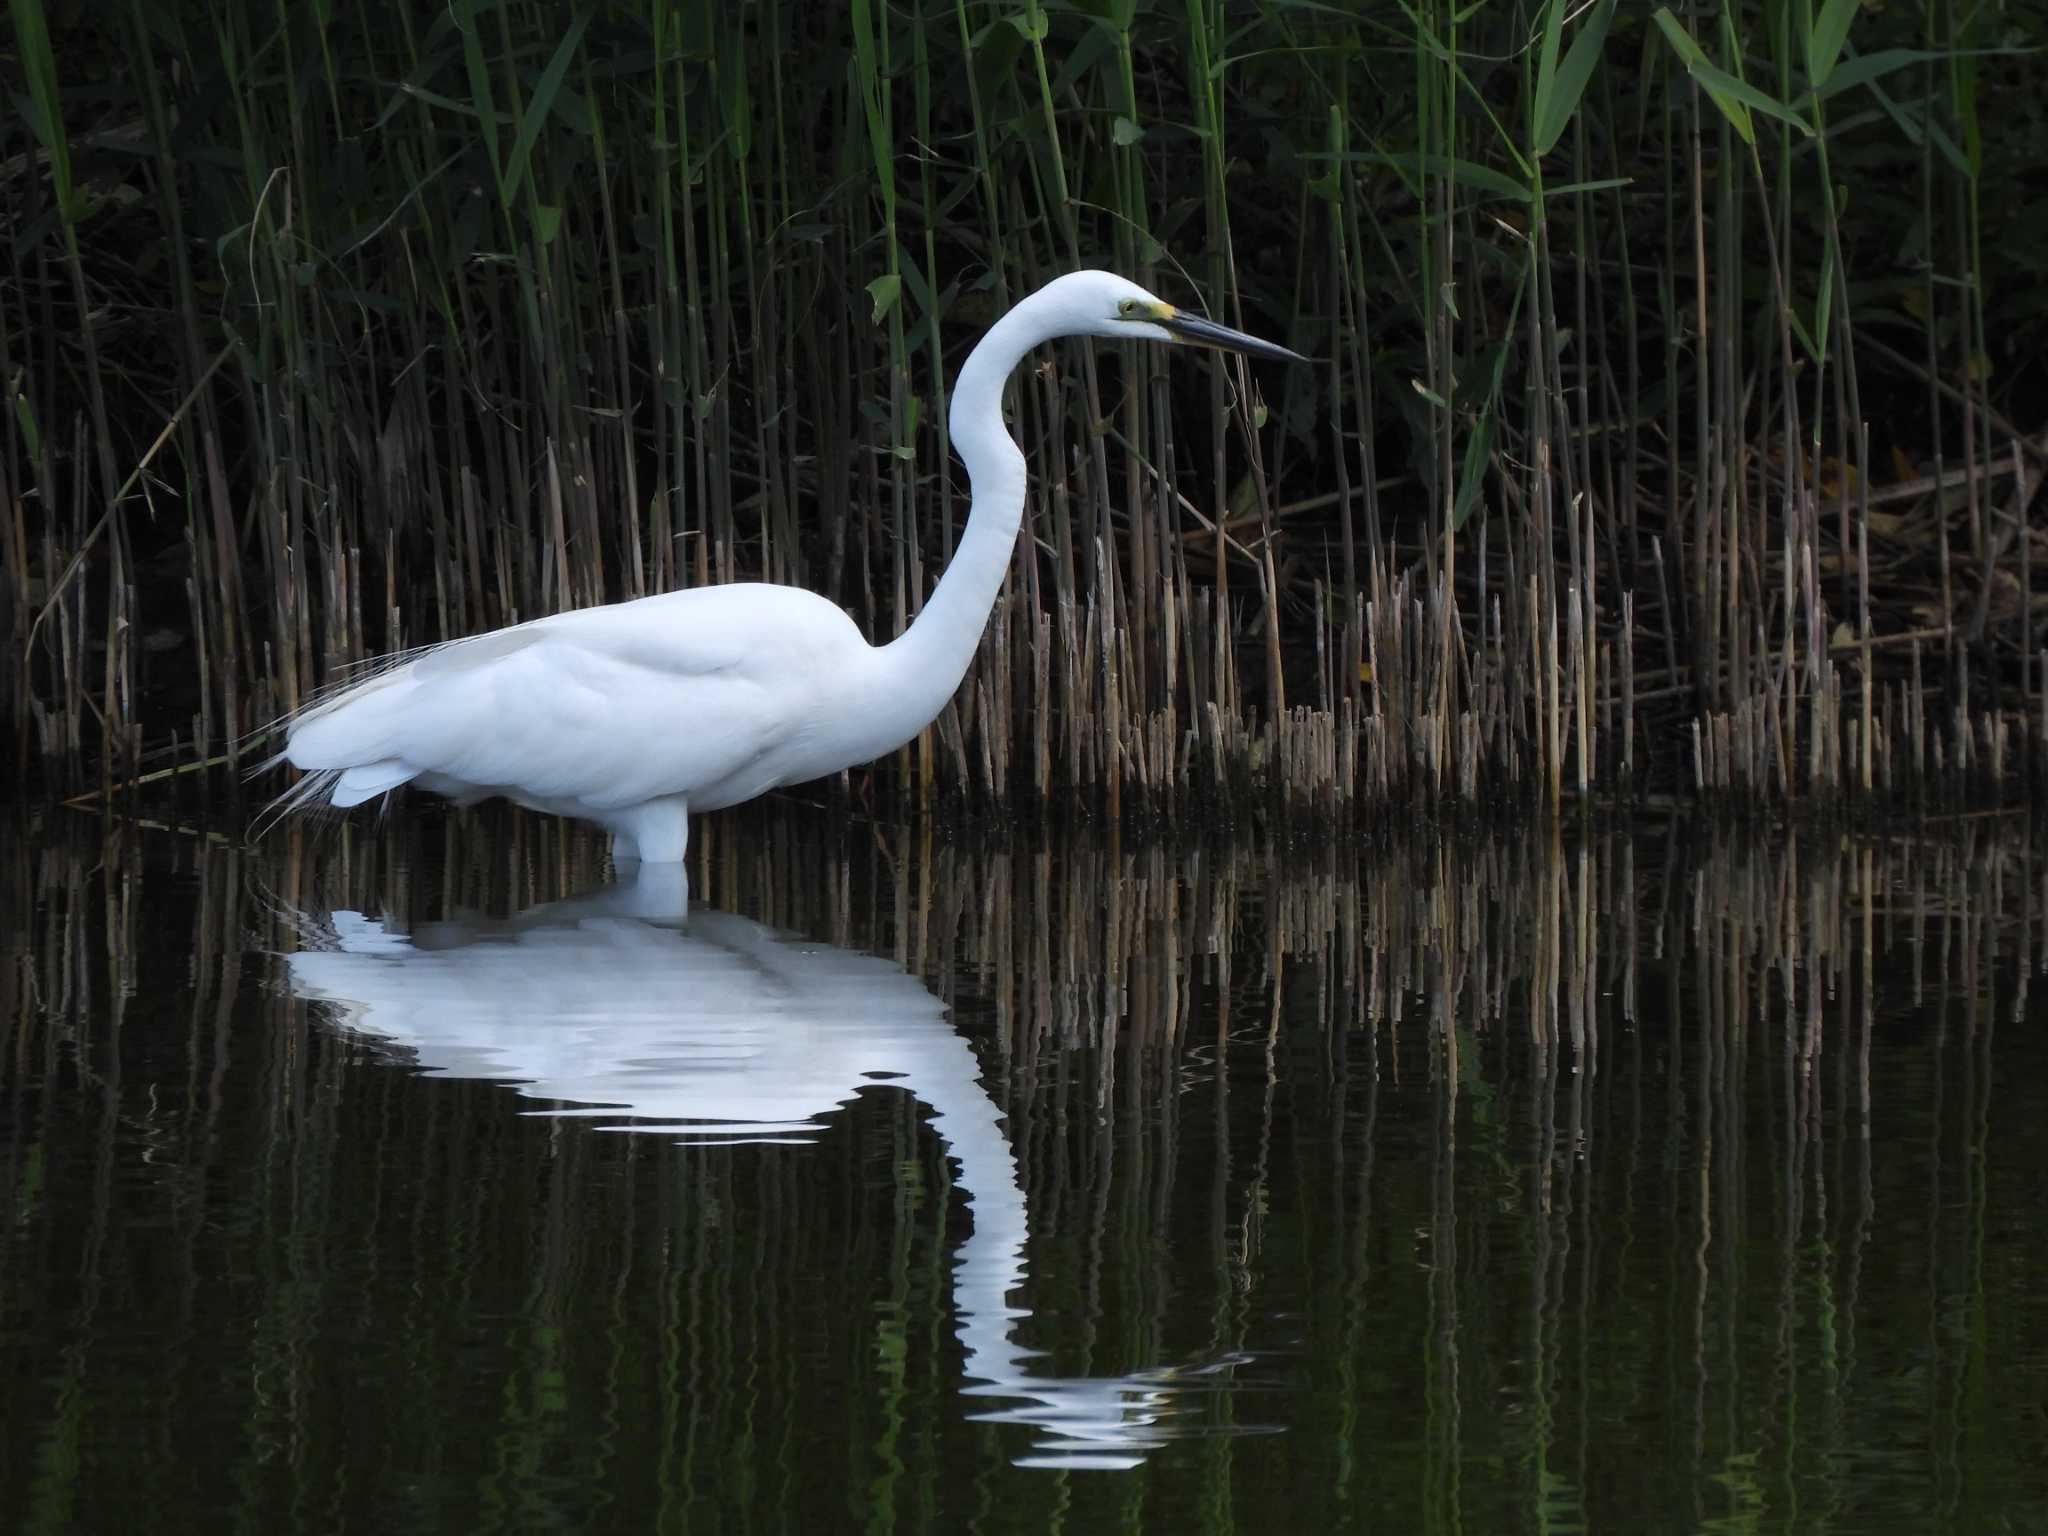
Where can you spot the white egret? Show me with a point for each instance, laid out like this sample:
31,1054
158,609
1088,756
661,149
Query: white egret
634,714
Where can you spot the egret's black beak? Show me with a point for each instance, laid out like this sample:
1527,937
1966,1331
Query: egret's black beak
1207,333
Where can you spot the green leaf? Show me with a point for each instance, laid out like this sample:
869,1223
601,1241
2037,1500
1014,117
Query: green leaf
1598,184
1412,167
1559,90
408,91
542,103
1125,133
1546,60
45,113
547,222
32,435
884,291
1826,37
919,289
1695,60
1721,83
1875,66
1803,336
867,64
479,70
1093,49
1031,26
1913,127
1472,472
1735,97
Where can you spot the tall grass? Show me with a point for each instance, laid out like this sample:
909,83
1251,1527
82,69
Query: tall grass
1669,424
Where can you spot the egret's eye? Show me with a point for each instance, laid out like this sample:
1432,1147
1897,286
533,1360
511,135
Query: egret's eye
1127,307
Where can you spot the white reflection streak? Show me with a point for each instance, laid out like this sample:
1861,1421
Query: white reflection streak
713,1027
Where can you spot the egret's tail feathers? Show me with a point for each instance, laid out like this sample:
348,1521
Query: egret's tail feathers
355,785
338,787
309,792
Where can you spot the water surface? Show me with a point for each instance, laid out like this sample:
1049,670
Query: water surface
424,1177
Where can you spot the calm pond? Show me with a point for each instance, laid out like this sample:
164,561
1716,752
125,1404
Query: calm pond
408,1176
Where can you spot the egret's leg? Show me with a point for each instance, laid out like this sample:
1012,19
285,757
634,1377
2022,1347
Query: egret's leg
624,849
656,893
662,829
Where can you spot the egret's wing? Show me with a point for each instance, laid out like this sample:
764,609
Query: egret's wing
564,720
609,712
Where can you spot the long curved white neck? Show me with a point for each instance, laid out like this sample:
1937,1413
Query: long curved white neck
926,662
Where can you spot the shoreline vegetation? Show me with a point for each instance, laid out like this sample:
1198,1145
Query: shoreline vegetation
1678,419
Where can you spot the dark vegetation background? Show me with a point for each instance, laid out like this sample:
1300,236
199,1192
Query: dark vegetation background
1678,408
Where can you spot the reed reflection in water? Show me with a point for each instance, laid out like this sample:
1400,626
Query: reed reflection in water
1661,1181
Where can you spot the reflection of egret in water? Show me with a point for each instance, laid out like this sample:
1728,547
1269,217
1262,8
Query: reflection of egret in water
716,1028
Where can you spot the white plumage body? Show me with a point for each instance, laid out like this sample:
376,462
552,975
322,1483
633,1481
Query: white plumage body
716,694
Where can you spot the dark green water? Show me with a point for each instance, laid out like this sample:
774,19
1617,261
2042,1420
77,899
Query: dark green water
411,1180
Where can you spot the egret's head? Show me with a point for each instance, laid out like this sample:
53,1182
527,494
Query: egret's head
1103,304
